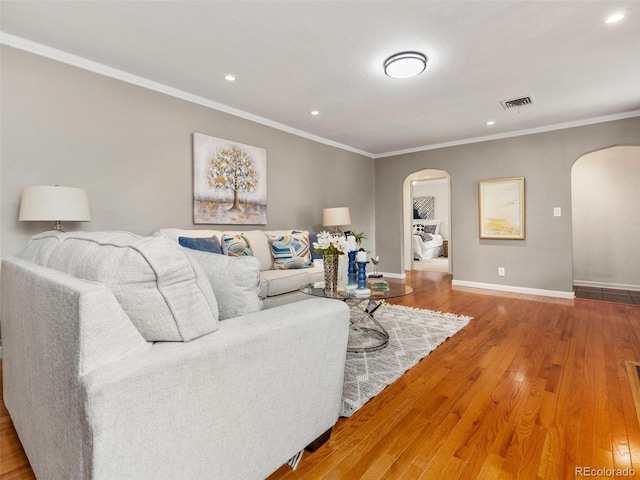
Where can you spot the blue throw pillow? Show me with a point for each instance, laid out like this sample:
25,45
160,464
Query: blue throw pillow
313,237
206,244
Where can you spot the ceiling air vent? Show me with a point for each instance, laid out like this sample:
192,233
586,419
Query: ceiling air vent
516,102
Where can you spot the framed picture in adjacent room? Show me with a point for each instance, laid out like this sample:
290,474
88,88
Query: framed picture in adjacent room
424,208
501,208
229,182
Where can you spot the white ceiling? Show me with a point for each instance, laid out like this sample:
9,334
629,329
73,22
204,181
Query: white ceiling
291,57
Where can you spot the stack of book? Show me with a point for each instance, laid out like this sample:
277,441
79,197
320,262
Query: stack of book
379,285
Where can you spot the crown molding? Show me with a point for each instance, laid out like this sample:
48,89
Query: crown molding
517,133
95,67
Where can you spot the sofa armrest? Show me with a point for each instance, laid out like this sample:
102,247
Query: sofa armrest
56,328
236,403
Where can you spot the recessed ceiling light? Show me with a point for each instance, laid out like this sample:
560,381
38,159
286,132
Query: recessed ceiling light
230,78
490,122
315,112
405,64
616,17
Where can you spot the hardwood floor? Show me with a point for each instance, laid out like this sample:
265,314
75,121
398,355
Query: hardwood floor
533,387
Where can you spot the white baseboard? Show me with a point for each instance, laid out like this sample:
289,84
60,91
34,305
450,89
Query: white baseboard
509,288
394,275
615,286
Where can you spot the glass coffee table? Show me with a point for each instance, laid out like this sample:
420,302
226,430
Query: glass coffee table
366,333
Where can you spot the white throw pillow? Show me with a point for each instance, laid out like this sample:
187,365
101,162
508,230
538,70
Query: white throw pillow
235,282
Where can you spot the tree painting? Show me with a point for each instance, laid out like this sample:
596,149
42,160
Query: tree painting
229,182
231,168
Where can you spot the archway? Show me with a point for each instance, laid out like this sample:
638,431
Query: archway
433,188
606,231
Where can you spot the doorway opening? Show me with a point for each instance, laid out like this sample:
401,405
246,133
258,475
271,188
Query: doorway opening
426,221
606,231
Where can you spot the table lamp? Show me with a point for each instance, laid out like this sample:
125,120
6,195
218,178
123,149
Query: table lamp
335,217
54,203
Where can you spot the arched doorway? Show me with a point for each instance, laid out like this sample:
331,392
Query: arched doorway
430,190
606,230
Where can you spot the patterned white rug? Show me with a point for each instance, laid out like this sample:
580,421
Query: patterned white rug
413,334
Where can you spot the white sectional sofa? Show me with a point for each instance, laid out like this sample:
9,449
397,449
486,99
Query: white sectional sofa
277,287
122,359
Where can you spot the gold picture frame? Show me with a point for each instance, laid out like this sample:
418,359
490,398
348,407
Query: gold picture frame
501,208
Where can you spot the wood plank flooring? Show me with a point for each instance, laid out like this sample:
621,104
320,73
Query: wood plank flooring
533,387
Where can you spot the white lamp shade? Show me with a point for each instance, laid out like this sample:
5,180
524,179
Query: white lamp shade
54,203
336,216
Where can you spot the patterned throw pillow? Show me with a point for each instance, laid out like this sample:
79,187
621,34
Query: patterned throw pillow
207,244
430,229
236,246
290,252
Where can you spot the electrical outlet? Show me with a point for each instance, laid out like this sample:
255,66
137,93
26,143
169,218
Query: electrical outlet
501,271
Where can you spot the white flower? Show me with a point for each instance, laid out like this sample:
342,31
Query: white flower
341,244
330,244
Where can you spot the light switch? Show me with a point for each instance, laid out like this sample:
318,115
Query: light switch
557,212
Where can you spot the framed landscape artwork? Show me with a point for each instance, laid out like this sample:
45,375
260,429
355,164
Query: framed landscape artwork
229,182
501,208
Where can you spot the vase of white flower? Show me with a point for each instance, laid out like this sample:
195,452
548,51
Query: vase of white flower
331,247
330,262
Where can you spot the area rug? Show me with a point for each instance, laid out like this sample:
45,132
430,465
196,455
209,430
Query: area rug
413,334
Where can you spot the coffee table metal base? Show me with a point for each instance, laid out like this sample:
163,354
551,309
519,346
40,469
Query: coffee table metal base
365,332
367,335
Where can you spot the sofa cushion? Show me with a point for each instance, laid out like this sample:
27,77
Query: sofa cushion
276,282
166,295
236,246
175,233
207,244
260,246
290,252
234,280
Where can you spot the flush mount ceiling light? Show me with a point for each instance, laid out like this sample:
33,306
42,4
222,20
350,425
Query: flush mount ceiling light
615,18
230,78
405,64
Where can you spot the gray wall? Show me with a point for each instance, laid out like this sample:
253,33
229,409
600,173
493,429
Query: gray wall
544,259
606,218
131,149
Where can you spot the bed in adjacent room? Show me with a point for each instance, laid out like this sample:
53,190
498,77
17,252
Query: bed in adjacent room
427,241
